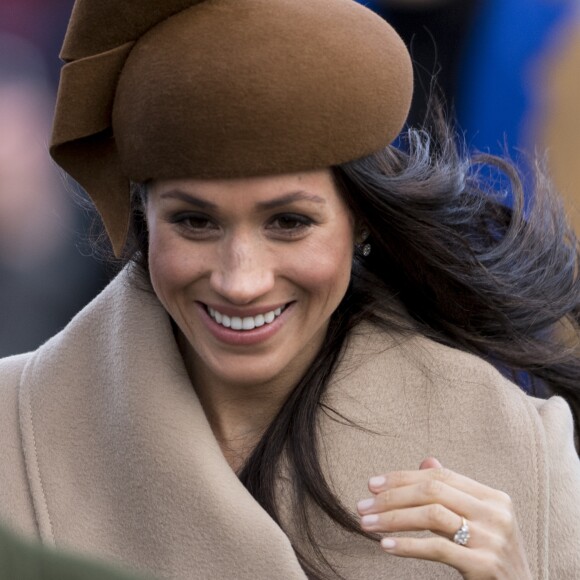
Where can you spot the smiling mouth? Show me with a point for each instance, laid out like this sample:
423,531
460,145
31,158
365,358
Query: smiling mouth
246,322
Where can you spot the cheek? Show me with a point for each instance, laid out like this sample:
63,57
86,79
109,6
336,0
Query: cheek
172,264
162,267
326,271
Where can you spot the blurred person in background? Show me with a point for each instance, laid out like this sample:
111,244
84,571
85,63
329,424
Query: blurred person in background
44,276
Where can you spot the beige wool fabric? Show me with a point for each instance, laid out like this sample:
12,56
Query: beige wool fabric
220,89
106,450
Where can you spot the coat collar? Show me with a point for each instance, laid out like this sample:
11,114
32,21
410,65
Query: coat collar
122,461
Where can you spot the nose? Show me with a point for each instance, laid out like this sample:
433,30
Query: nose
244,272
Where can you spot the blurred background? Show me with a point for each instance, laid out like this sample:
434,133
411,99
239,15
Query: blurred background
509,70
46,270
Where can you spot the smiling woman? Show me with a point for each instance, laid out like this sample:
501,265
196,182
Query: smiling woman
257,250
292,374
250,270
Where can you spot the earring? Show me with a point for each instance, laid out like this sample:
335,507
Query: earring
364,249
361,247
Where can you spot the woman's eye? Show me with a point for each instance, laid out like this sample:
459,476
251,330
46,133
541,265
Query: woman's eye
194,223
291,223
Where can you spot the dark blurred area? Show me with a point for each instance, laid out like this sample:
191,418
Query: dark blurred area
47,273
436,33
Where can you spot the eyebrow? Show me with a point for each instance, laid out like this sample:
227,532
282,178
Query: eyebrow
290,198
262,205
188,198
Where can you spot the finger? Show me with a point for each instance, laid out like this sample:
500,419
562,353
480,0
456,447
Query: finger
438,549
435,518
396,479
430,463
429,492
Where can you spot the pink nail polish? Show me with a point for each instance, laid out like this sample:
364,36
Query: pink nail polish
377,481
370,520
365,504
388,543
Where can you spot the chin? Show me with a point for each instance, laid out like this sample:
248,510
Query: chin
249,376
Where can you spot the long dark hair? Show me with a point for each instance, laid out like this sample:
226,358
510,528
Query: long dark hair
471,272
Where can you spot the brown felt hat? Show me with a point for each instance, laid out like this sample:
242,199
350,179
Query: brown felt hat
159,89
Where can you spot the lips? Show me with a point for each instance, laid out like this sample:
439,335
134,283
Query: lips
245,322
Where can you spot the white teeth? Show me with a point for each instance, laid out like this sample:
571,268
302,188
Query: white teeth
246,323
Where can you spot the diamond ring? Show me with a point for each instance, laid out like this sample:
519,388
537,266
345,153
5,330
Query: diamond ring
461,536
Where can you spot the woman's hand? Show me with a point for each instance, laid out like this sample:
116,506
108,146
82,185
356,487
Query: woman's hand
437,499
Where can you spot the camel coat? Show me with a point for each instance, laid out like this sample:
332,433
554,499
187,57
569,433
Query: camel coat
107,451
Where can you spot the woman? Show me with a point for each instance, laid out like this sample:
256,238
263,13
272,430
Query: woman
303,324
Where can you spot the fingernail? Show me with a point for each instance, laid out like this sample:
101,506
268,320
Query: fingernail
369,520
377,481
365,504
388,543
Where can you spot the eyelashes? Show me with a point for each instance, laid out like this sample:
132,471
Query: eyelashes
193,221
291,222
281,226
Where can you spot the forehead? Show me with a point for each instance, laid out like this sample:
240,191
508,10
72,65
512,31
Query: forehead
313,185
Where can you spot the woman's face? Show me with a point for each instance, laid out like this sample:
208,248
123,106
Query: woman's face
250,270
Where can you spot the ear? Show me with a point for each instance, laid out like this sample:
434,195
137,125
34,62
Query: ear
361,233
